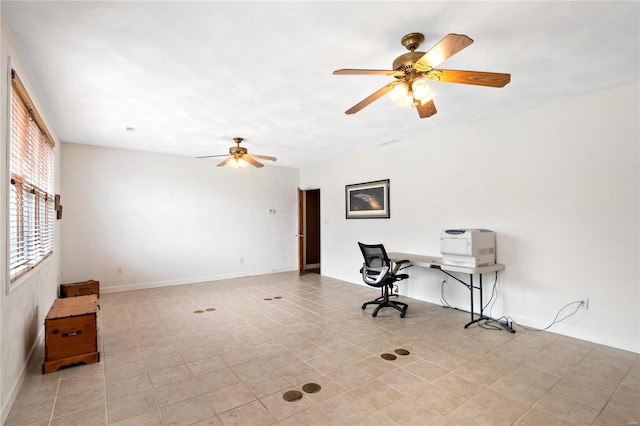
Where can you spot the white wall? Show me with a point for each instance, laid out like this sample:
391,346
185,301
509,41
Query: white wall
559,185
22,311
166,220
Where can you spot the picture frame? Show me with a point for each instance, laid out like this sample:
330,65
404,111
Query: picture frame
368,200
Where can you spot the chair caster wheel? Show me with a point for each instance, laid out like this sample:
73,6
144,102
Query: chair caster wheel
375,314
364,307
402,315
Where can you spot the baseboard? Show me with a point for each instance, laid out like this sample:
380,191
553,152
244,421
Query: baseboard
184,281
15,388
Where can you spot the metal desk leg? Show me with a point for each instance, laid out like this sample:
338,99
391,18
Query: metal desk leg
481,302
471,287
481,316
504,325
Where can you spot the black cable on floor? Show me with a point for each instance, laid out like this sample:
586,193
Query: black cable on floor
555,321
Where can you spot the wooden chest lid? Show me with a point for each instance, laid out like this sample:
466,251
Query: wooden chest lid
72,306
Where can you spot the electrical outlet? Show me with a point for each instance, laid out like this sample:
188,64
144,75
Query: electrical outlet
585,303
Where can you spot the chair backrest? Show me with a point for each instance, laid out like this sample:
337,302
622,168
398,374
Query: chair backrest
374,255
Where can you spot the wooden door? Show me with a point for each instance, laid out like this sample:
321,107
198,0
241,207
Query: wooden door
300,235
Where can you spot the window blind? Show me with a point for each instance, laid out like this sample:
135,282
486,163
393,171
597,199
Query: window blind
31,199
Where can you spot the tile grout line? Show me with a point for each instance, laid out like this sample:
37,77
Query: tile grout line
55,398
617,388
534,405
153,388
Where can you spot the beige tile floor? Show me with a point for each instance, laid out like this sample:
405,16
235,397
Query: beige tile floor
163,364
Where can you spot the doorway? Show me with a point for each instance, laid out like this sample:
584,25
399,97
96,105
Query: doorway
309,231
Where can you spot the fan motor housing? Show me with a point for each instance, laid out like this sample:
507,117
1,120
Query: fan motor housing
405,62
237,150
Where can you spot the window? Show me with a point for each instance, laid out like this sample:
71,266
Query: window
31,200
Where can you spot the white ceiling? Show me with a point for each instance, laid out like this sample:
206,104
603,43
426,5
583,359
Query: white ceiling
189,76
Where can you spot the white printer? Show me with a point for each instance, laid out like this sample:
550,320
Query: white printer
468,247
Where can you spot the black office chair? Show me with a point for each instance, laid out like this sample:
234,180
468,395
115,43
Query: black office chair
380,272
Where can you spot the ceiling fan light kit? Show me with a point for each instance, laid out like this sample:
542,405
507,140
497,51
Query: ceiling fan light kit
415,70
237,163
418,93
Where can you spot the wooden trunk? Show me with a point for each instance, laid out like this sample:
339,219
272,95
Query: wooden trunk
83,288
71,335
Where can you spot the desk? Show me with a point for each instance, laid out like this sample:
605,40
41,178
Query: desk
436,263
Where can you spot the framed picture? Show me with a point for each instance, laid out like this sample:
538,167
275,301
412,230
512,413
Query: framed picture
369,200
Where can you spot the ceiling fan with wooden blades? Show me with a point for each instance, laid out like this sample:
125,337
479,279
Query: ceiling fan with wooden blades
415,70
239,157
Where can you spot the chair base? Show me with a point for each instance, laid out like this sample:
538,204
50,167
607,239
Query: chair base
400,306
384,302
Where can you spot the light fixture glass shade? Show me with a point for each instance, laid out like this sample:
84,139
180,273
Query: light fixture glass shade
399,93
421,90
407,101
237,163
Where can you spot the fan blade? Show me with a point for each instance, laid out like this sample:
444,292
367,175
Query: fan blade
251,161
211,156
369,72
426,110
264,157
374,96
224,163
479,78
444,49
